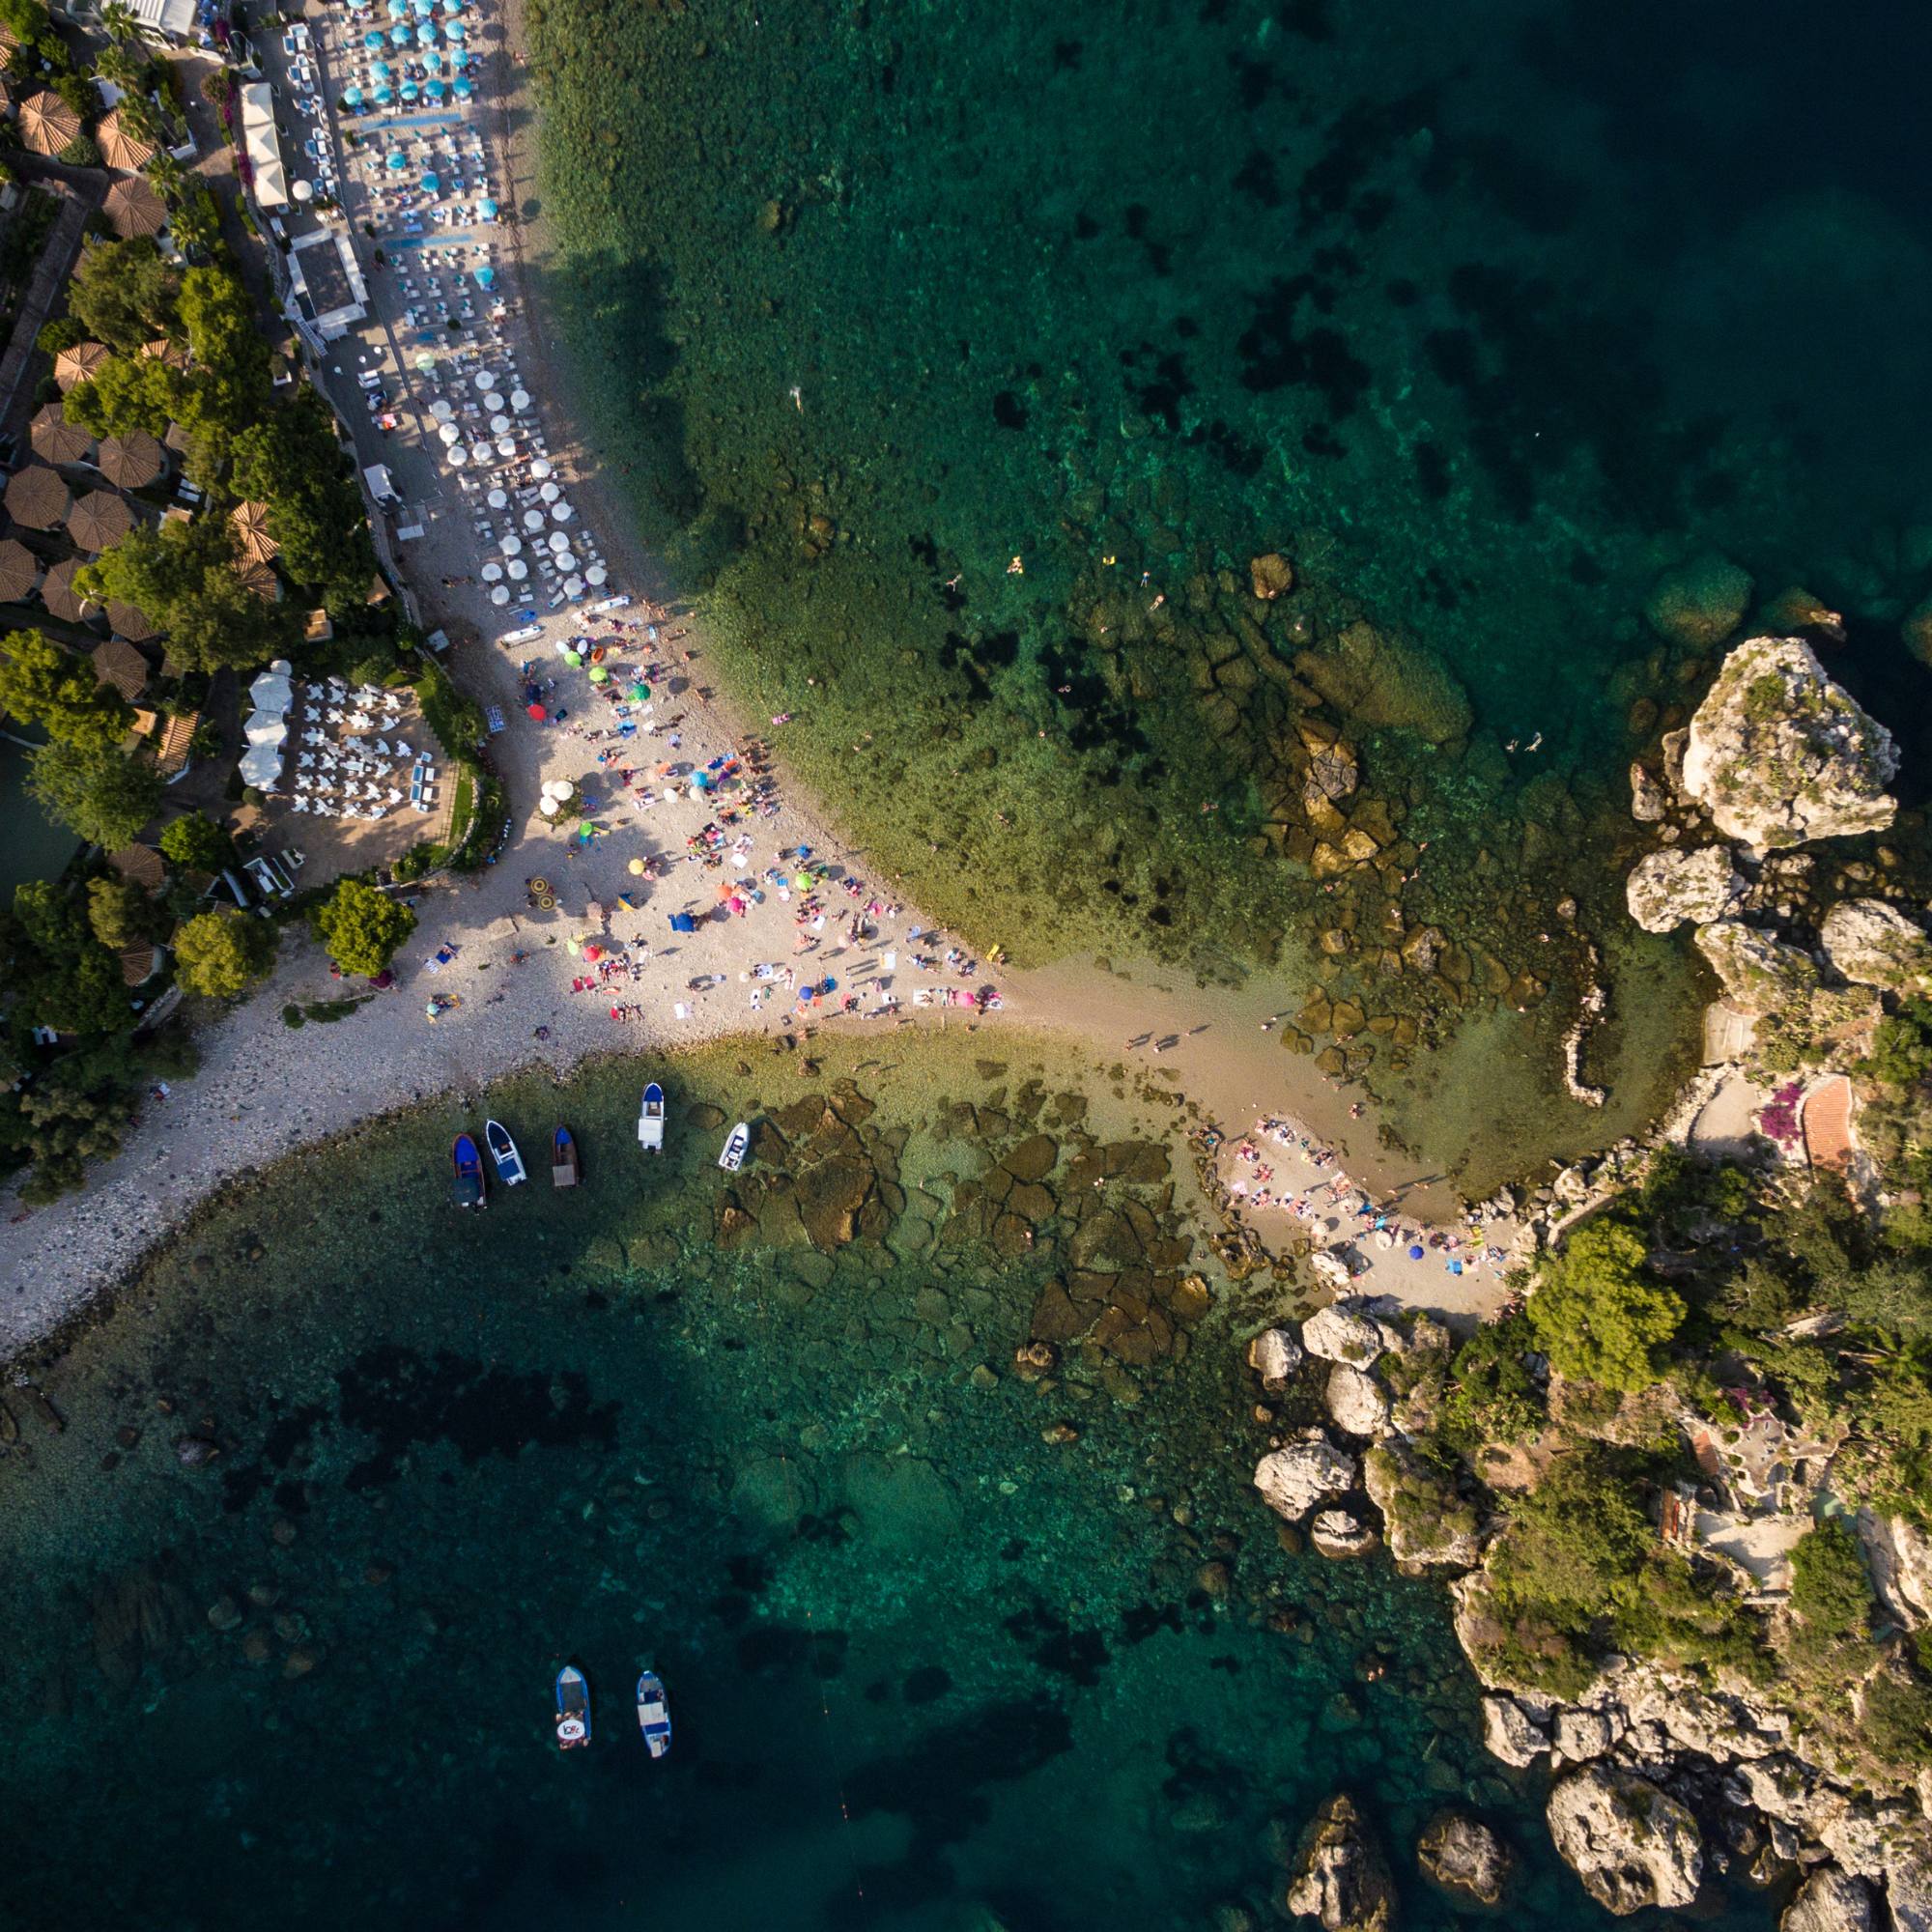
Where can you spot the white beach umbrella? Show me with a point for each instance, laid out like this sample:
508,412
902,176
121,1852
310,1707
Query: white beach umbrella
562,512
548,806
506,445
442,409
497,499
512,545
573,587
566,559
551,492
499,425
481,451
492,573
540,465
533,520
493,401
520,399
449,432
457,455
499,595
596,574
559,540
518,569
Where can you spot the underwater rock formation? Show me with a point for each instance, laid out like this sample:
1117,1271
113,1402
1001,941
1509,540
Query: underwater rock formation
1669,888
1779,754
1340,1876
1464,1857
1382,679
1701,603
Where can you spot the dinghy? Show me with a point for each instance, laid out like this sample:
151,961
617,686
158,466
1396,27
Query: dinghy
467,1190
563,1159
510,1167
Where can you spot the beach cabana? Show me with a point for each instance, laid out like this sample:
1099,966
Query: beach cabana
55,439
123,150
19,571
251,532
256,575
119,663
38,498
140,866
133,208
131,462
47,124
78,363
58,594
130,621
98,520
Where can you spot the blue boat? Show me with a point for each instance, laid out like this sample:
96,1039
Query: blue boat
651,1120
467,1189
563,1171
653,1714
504,1150
573,1709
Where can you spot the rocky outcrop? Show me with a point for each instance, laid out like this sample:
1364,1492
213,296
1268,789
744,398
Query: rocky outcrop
1343,1334
1511,1734
1380,678
1294,1479
1872,944
1760,974
1462,1855
1356,1401
1701,603
1274,1355
1830,1901
1336,1533
1427,1523
1341,1876
1900,1555
1779,754
1671,888
1628,1841
1649,801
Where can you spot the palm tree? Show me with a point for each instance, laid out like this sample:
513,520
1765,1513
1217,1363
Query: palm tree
120,22
196,225
168,176
118,64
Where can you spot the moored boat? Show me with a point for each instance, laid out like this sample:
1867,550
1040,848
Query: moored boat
563,1159
467,1190
573,1708
735,1149
510,1167
653,1714
651,1120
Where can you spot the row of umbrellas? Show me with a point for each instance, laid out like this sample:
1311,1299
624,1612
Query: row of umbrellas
409,93
423,35
130,462
38,498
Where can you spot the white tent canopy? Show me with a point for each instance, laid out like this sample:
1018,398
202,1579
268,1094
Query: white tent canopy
261,766
273,693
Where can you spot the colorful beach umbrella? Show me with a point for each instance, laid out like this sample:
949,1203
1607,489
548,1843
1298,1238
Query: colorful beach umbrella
599,675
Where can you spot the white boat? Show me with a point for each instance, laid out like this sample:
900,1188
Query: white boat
510,1169
651,1120
573,1709
735,1149
653,1714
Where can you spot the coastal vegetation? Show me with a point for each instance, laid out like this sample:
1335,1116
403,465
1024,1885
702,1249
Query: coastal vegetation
362,927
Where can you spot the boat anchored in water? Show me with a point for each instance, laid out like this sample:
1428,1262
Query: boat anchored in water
510,1167
653,1714
467,1190
735,1149
651,1120
573,1708
564,1171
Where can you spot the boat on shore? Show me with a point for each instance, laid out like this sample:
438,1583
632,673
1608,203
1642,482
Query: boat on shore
467,1189
510,1168
736,1147
573,1709
653,1714
564,1169
651,1120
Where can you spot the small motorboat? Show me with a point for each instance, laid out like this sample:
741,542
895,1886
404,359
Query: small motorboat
735,1149
653,1714
651,1120
467,1188
573,1708
510,1167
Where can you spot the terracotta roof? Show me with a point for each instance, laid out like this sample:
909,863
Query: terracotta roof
131,462
251,531
58,594
130,621
318,629
133,208
98,520
37,497
140,963
58,440
170,754
120,148
119,663
47,124
1827,1122
19,571
140,866
78,363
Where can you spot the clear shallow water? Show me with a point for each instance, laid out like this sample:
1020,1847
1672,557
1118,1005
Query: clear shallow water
1480,315
927,1669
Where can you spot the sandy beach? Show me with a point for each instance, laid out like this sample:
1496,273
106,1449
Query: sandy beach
266,1088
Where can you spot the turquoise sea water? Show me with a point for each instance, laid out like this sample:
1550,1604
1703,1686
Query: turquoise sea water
927,1668
1479,315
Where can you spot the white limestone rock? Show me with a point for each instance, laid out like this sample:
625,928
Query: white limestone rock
1335,1533
1343,1334
1274,1355
1630,1842
1511,1734
1779,754
1294,1479
1872,944
1356,1401
1830,1901
1670,888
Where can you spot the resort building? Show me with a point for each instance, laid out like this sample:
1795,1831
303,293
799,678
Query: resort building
328,295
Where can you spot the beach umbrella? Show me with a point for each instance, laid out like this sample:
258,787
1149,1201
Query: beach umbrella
485,277
435,89
573,587
506,445
57,440
396,163
540,467
373,40
79,364
520,399
20,572
551,492
411,93
449,432
122,150
430,183
464,90
512,545
559,540
575,659
803,883
1416,1251
37,497
132,207
562,512
58,594
398,10
490,399
433,63
499,425
549,808
596,574
426,35
481,452
497,500
598,674
399,37
485,210
518,569
566,559
457,455
585,829
492,573
443,409
499,595
533,520
454,30
352,96
381,69
384,97
424,364
641,692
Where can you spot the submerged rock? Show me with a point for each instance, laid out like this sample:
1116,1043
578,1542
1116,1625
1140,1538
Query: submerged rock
1340,1875
1337,1534
1630,1842
1668,888
1293,1480
1464,1857
1701,603
1382,679
1872,944
1779,754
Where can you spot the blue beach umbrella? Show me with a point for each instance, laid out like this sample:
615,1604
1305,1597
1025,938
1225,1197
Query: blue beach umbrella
426,35
453,30
399,37
353,96
431,184
485,210
384,96
1416,1251
373,38
485,277
436,89
397,164
433,63
423,8
464,90
411,93
380,69
399,10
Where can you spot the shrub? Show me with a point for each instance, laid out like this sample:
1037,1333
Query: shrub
1830,1587
1599,1314
220,953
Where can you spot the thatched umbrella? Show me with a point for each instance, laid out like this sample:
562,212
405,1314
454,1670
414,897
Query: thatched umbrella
140,866
19,571
120,148
58,440
170,353
259,578
47,124
133,208
130,621
77,364
119,663
251,531
131,462
98,520
58,594
37,497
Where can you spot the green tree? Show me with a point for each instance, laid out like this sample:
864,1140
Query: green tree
62,332
57,974
43,683
362,927
1901,1053
168,176
185,577
1831,1590
221,954
101,795
120,914
196,843
125,294
1598,1312
61,1128
125,394
290,461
